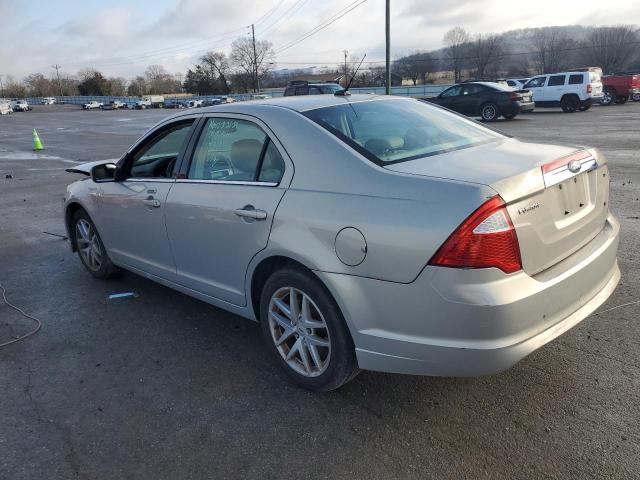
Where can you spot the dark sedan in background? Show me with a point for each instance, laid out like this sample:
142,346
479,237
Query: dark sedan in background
487,100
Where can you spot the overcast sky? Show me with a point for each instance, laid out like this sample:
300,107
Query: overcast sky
122,37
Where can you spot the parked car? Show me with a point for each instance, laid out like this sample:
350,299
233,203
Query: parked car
48,101
517,83
305,88
5,107
174,104
486,100
113,105
19,105
93,104
571,91
619,88
194,103
210,102
409,239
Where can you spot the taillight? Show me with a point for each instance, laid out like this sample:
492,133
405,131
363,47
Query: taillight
589,88
485,239
514,96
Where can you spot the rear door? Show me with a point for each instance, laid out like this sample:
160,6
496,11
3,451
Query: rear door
220,215
470,98
555,88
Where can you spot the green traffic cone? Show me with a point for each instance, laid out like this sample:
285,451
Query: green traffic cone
37,144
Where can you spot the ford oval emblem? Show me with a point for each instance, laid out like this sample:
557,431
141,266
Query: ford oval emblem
574,166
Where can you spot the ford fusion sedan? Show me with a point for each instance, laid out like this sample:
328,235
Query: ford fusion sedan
361,232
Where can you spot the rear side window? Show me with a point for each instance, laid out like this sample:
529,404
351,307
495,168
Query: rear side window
576,79
392,131
314,91
556,80
232,150
472,89
302,90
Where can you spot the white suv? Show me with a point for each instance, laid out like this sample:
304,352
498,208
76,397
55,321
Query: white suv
570,90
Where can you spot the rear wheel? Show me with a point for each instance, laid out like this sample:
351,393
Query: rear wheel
569,104
608,97
90,248
622,100
489,112
306,332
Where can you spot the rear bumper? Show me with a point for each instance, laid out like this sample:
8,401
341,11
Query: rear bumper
514,108
453,322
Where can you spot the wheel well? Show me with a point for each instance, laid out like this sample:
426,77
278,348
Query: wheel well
262,272
570,95
71,210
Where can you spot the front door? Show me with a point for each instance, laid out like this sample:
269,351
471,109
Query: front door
220,216
132,210
537,87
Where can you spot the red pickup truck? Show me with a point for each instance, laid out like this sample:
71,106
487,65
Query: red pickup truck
618,89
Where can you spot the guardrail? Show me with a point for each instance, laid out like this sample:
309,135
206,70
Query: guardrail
428,90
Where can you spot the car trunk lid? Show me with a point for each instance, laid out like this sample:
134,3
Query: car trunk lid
556,196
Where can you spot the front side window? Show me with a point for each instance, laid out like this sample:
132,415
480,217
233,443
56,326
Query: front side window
235,150
472,89
157,157
391,131
556,80
536,82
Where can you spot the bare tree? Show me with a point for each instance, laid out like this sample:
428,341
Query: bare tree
218,66
39,86
117,86
611,48
416,66
242,56
138,87
484,51
457,40
552,50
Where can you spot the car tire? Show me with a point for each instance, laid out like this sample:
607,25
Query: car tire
489,112
90,248
569,103
305,331
622,100
509,116
636,97
608,97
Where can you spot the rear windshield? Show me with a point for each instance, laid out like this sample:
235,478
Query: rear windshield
392,131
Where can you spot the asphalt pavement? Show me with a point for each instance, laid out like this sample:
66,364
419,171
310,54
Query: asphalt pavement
163,386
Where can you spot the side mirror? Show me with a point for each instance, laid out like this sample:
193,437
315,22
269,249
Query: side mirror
104,173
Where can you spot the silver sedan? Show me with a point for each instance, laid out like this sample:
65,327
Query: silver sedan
361,232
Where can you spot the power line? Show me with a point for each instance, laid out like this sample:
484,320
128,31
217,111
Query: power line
276,25
322,25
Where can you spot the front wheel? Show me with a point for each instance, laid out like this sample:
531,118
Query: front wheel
90,248
636,97
489,112
306,332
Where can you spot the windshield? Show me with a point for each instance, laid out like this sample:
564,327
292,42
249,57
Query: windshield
391,131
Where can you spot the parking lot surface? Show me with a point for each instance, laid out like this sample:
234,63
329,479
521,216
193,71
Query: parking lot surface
163,386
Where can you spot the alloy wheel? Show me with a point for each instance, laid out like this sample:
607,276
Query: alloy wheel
606,98
489,112
299,332
88,245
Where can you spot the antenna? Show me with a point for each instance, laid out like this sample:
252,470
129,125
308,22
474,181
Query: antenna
345,92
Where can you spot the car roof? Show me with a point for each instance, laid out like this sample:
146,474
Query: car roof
300,103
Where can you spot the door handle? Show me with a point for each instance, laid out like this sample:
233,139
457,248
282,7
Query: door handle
151,202
250,212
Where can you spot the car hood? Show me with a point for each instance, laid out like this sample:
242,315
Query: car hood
489,164
85,168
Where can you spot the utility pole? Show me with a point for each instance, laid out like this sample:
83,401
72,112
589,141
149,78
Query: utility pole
57,67
1,88
345,68
388,41
256,82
